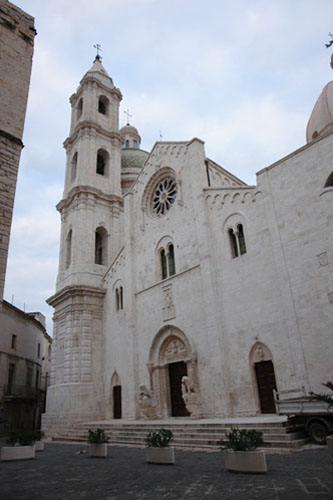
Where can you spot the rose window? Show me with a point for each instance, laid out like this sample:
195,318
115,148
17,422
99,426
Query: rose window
164,196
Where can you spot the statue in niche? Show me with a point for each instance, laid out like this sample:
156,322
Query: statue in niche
146,402
191,396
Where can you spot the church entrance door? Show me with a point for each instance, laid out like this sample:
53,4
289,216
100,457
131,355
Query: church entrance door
117,401
266,383
176,372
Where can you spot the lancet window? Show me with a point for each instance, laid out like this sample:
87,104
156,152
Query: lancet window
100,246
167,265
237,240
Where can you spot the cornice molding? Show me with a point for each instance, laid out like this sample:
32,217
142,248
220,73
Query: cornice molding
70,292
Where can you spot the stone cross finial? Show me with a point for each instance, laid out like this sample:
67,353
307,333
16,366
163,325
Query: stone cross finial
98,48
127,113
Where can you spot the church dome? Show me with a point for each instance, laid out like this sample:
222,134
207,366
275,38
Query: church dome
132,157
321,119
131,136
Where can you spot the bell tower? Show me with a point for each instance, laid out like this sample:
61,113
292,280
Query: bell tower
90,239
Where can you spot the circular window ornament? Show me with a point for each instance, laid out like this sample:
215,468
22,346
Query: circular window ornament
164,196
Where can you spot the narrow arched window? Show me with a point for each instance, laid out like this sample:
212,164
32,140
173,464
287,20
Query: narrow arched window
135,143
100,164
329,182
100,246
241,239
68,249
73,167
171,260
233,243
79,109
117,300
103,105
121,302
163,264
127,143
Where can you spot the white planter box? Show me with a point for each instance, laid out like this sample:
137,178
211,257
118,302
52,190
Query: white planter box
160,455
39,445
99,450
329,441
17,453
250,462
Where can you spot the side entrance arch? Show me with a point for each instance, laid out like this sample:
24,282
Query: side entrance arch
115,396
171,357
264,377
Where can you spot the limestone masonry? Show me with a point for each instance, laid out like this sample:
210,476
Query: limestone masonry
181,290
17,35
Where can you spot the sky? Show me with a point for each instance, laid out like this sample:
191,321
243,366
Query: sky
243,76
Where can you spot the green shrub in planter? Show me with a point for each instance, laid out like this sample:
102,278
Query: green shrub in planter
97,437
242,440
22,436
38,434
159,439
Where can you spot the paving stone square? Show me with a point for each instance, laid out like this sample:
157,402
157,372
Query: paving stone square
62,472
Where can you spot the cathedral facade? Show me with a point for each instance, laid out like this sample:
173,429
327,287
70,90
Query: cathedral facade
182,291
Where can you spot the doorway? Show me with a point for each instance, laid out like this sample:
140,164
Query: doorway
117,401
266,382
176,372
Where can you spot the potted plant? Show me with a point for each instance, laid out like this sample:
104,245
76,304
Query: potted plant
98,443
22,446
240,453
158,450
39,444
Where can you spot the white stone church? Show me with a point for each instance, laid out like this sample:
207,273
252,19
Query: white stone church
182,291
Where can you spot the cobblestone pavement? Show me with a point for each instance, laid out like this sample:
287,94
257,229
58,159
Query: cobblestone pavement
60,473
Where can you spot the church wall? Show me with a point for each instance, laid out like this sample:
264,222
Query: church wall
276,293
303,211
190,310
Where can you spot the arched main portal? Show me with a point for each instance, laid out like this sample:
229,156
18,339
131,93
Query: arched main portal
171,357
264,377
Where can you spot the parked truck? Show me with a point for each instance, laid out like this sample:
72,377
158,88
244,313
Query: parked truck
314,415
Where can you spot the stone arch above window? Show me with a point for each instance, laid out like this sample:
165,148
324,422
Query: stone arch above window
74,166
101,246
115,379
234,229
79,109
102,162
161,192
103,105
329,181
69,248
165,258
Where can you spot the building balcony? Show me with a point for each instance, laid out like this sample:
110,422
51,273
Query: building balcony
22,392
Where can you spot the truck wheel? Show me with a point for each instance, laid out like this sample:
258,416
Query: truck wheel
318,432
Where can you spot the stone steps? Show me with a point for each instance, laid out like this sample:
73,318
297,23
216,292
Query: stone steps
187,435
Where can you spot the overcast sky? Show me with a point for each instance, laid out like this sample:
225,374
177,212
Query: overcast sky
242,75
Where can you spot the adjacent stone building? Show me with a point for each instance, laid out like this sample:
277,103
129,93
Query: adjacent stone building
17,33
181,290
24,343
